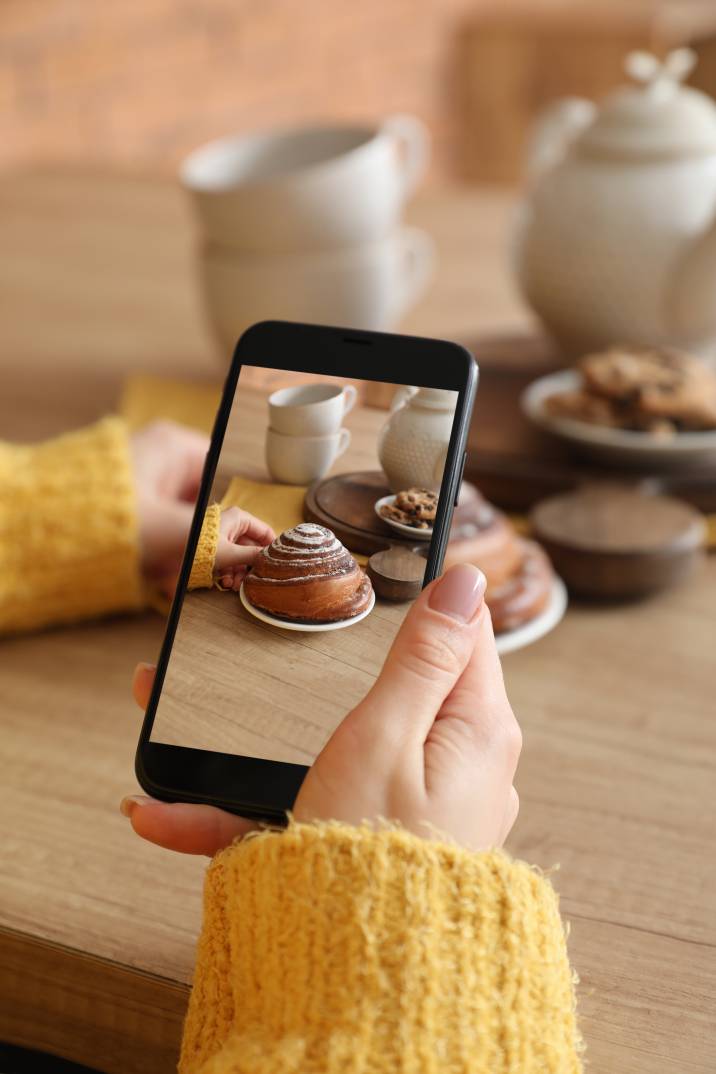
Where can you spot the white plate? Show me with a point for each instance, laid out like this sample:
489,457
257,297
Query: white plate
408,531
614,445
308,628
531,632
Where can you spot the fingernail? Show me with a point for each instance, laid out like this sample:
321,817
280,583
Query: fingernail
459,592
130,801
145,666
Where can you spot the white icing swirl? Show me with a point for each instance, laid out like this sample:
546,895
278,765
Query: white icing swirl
308,544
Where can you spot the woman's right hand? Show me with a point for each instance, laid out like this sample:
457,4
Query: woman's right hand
434,744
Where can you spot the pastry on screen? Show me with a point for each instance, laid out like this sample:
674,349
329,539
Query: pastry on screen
307,576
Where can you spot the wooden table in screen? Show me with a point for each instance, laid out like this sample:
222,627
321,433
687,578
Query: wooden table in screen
616,778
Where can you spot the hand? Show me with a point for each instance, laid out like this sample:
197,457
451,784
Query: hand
433,745
241,538
168,461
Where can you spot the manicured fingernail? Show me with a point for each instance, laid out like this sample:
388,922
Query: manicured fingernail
459,592
130,801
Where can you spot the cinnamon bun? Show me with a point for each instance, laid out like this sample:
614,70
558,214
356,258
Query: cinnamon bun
308,576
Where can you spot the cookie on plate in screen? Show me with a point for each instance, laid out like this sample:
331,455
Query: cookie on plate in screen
412,507
307,576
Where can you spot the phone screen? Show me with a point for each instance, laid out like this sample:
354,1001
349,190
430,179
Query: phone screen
316,474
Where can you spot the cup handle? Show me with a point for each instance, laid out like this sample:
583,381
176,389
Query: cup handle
418,255
350,394
344,442
413,139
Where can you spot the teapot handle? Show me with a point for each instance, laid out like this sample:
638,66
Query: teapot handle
556,129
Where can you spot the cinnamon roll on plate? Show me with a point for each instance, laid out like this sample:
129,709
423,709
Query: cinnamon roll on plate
307,580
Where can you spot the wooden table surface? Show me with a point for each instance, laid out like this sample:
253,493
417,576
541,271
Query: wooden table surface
617,774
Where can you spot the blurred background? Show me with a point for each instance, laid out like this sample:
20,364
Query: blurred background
140,83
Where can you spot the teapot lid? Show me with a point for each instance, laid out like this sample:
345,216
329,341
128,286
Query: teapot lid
659,117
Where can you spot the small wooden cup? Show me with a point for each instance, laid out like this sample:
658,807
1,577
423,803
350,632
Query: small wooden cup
613,542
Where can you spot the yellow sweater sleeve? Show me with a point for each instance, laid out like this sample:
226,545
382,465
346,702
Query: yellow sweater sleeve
333,949
68,529
202,569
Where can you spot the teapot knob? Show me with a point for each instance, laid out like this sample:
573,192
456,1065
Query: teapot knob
660,75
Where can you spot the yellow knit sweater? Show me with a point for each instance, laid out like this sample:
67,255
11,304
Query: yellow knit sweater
68,530
330,949
324,948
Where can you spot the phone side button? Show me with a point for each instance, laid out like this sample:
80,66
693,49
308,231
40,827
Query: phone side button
458,486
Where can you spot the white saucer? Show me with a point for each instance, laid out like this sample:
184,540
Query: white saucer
307,628
408,531
623,446
547,620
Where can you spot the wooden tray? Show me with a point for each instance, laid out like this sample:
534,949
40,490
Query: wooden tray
346,504
515,465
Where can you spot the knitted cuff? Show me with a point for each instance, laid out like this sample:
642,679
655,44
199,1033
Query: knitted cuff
327,948
202,569
68,529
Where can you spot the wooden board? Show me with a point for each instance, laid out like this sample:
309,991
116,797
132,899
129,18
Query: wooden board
346,504
514,464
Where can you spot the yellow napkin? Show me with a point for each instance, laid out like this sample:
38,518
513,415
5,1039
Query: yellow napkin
279,505
146,399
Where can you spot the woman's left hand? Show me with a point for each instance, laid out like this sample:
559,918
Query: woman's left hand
167,460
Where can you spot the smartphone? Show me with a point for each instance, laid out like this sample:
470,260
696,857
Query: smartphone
251,684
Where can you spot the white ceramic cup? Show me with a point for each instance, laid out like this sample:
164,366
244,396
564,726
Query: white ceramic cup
307,188
370,286
299,460
310,409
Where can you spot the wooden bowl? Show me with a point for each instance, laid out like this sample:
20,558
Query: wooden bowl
613,542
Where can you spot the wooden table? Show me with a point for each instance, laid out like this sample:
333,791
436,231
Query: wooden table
617,774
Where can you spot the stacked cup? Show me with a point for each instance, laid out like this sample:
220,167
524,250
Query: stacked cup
305,225
305,434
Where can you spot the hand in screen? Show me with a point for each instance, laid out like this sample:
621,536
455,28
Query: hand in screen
434,744
241,538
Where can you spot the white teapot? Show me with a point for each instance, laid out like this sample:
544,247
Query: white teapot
617,238
413,444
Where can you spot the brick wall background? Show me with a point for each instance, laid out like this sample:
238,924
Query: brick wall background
141,82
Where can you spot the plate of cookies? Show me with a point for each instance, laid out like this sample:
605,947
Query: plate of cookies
632,405
410,512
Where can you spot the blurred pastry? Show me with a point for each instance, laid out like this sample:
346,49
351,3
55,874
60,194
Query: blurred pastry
482,535
519,574
520,598
581,405
643,388
306,575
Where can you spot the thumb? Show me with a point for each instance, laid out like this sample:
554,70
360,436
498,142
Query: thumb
229,555
430,652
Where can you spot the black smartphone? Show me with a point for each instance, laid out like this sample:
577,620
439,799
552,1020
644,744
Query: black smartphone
250,684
